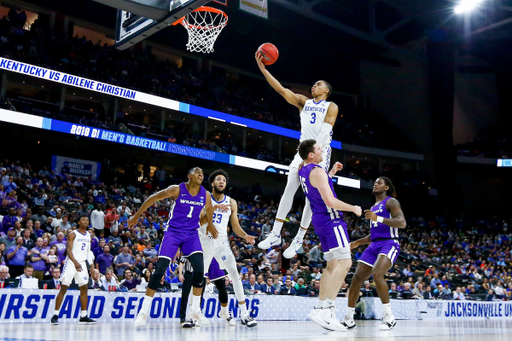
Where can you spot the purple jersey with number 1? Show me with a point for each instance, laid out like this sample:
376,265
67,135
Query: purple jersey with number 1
186,211
181,228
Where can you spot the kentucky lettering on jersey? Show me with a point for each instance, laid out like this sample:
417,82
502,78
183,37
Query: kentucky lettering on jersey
380,230
186,210
81,245
219,219
312,117
321,213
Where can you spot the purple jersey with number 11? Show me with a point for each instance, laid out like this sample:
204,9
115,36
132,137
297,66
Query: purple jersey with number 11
186,210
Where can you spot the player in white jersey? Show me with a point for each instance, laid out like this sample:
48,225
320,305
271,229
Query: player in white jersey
317,118
78,250
217,246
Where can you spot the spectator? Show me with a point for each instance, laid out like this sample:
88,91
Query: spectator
150,251
27,273
418,291
16,255
99,250
38,257
129,282
95,281
54,282
300,288
490,295
314,255
27,239
287,289
115,239
98,219
4,274
104,260
123,262
109,282
9,239
366,290
111,220
406,292
60,243
447,293
267,287
458,295
252,285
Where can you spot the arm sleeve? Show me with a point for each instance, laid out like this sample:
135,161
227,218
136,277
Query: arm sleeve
90,257
325,136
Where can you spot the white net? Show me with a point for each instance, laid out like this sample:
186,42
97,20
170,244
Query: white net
203,27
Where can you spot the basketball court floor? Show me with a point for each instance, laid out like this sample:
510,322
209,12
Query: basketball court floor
469,330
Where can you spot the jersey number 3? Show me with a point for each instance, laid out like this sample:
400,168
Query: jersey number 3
313,118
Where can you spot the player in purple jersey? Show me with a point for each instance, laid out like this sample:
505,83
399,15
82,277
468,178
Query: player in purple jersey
386,217
180,233
330,228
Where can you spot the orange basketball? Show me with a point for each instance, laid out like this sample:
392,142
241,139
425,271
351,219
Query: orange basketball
269,52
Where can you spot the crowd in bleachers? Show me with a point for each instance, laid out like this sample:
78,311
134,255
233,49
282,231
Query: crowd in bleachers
439,258
44,46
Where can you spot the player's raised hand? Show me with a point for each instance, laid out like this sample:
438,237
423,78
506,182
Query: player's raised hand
338,166
222,207
368,214
249,239
259,61
132,221
358,210
212,230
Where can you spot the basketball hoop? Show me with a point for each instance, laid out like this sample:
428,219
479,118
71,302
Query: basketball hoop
203,26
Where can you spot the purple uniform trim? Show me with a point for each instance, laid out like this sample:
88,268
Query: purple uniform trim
214,272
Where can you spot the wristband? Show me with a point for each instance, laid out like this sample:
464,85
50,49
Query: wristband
380,219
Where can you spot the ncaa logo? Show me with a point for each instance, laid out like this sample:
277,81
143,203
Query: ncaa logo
224,258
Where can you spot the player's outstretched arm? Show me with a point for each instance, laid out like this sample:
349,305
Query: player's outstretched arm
236,225
397,216
319,179
170,192
297,100
361,241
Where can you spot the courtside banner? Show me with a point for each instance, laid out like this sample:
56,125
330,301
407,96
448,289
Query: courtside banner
256,7
36,306
76,167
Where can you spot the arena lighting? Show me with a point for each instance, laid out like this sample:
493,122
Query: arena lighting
466,6
28,120
504,162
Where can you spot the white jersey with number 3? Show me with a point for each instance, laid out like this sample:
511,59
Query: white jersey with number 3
220,219
81,245
312,117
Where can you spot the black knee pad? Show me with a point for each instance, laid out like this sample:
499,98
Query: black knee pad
196,260
156,277
220,284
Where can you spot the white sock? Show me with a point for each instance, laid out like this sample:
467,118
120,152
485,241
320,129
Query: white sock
146,304
196,302
351,312
329,302
243,309
301,233
223,309
83,313
387,308
278,226
56,312
321,304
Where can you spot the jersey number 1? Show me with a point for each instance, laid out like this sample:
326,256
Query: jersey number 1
190,213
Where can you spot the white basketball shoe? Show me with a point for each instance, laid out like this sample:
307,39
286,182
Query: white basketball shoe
228,316
291,251
197,315
141,320
388,322
271,240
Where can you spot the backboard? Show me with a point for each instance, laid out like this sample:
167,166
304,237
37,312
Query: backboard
138,19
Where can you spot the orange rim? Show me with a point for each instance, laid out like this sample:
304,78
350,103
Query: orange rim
202,9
